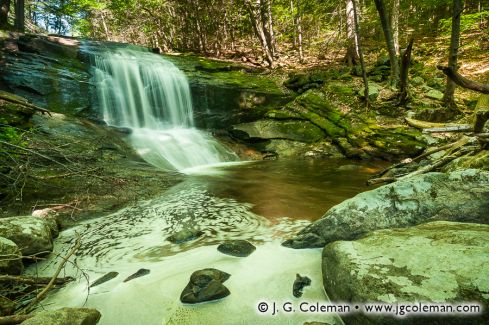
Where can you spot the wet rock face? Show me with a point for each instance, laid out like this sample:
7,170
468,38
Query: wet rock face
459,196
205,285
106,277
31,234
11,261
238,248
299,284
185,235
440,261
64,316
46,71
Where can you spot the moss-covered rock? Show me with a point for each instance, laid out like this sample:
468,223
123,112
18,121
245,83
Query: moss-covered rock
440,262
11,257
459,196
32,235
480,161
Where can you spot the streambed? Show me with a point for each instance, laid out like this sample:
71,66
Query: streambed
263,202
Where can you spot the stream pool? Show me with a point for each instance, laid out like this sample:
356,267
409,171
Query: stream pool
264,202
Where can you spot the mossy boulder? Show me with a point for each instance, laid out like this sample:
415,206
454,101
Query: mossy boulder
459,196
439,262
31,234
11,257
64,316
303,131
479,161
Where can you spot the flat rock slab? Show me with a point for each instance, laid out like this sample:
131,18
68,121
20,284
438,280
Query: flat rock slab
185,235
205,285
65,316
461,196
238,248
438,262
11,257
31,234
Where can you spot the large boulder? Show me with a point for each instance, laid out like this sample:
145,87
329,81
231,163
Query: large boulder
457,196
303,131
31,234
65,316
11,261
205,285
439,262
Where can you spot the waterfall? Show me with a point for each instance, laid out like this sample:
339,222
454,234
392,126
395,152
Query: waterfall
142,91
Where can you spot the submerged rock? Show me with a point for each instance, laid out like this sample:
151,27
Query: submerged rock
185,235
238,248
458,196
65,316
11,257
106,277
31,234
205,285
138,274
299,284
439,262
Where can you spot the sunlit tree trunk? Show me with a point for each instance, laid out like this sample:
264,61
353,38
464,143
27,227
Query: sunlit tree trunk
4,10
395,24
360,52
351,56
298,26
255,16
389,40
448,98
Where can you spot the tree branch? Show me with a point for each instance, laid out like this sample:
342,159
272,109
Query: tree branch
464,82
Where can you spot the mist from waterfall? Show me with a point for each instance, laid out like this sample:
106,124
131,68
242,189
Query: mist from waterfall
142,91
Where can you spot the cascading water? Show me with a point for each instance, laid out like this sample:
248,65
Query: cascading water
142,91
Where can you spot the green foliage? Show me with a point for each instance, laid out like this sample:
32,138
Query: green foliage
468,22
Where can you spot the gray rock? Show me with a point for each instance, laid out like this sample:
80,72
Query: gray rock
104,278
31,234
138,274
434,94
65,316
299,284
185,235
373,91
11,261
458,196
303,131
238,248
442,262
205,285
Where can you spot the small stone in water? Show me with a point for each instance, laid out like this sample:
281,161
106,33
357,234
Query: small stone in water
184,236
139,273
238,248
104,278
299,284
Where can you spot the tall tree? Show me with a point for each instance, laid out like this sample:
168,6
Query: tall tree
20,15
360,52
4,9
395,24
254,10
352,46
379,4
448,97
298,29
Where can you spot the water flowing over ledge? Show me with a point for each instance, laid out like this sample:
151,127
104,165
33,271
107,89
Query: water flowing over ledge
142,91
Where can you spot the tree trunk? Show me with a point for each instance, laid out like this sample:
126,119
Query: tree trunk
298,26
405,62
360,52
448,98
255,16
273,42
20,16
293,23
395,25
352,54
390,42
4,9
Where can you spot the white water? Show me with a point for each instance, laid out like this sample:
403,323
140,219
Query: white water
142,91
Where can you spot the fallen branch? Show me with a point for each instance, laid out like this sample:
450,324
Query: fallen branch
455,128
14,319
43,293
9,98
424,125
464,82
33,280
